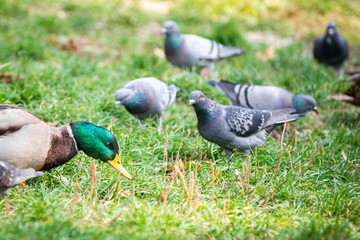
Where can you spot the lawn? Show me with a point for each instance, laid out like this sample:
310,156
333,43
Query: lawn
64,60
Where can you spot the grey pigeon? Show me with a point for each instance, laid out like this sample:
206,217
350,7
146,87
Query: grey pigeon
265,97
331,48
188,50
146,98
11,176
236,128
352,94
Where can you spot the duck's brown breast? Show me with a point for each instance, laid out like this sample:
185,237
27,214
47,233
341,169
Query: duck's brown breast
62,147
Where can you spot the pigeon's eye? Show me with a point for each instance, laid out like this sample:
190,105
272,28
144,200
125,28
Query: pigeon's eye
199,96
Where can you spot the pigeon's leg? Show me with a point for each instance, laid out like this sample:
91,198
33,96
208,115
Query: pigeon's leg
159,124
205,72
246,152
276,135
228,153
340,71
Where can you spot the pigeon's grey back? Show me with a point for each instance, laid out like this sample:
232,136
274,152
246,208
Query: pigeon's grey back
10,176
164,93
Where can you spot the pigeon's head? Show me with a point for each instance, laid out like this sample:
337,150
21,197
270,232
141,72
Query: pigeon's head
122,95
331,29
170,27
303,103
197,98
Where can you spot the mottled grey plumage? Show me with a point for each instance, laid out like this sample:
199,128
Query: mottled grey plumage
146,98
188,50
264,97
11,176
235,128
331,48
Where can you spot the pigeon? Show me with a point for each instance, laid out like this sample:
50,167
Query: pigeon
146,98
188,50
331,48
352,94
236,128
264,97
11,176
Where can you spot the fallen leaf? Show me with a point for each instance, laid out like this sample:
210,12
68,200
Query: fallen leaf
269,54
8,77
72,45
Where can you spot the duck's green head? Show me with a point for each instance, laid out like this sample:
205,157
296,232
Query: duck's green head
99,143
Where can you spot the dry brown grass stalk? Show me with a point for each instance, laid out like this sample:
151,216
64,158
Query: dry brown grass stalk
92,182
281,148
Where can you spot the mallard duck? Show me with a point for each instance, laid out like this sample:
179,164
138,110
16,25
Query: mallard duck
352,94
11,176
27,141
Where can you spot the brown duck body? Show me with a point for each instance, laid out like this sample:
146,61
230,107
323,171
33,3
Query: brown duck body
26,141
352,94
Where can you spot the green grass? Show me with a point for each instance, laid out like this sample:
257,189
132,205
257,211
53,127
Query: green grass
313,194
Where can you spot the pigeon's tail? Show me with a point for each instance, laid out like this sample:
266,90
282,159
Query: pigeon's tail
228,88
212,82
226,52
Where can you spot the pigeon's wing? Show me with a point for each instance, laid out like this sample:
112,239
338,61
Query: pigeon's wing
208,50
160,92
245,122
280,116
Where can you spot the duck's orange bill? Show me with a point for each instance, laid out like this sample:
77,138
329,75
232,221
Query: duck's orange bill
116,163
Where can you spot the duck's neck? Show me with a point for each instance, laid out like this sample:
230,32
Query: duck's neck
62,147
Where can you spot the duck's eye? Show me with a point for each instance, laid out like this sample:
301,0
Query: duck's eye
107,144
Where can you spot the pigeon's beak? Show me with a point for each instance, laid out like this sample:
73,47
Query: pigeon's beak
116,163
191,101
315,110
163,30
117,103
